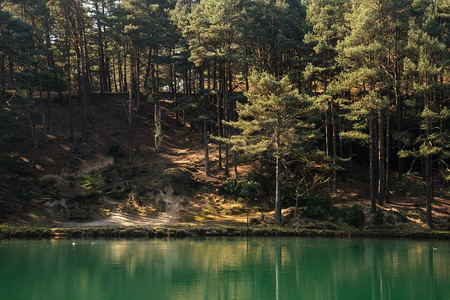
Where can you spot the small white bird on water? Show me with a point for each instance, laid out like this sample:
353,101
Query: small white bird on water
93,243
435,248
73,243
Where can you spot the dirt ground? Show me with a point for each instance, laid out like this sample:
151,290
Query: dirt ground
182,148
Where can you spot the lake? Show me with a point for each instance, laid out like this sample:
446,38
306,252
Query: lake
225,268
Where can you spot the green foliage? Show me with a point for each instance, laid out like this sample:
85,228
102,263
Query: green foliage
378,217
245,188
93,181
409,186
115,150
354,216
319,207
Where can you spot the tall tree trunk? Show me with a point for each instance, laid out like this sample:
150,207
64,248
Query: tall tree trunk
225,114
69,69
373,193
119,69
381,158
158,127
30,100
138,91
83,75
388,152
41,108
333,126
125,83
327,143
205,140
130,124
11,73
114,74
428,169
2,80
101,57
277,175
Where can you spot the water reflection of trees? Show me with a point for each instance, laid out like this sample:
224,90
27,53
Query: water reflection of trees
257,268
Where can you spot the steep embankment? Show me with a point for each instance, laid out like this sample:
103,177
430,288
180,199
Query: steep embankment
78,184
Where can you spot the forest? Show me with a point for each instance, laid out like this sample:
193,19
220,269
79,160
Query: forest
292,96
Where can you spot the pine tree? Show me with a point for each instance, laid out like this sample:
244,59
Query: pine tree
267,123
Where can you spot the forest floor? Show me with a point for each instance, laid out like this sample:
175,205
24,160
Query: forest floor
168,188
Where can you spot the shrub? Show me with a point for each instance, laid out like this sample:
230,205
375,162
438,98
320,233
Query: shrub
93,181
378,217
408,187
245,188
402,217
115,150
355,216
318,207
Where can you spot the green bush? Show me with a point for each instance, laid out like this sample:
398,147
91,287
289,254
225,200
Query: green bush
355,216
115,150
245,188
402,217
408,187
378,217
319,207
93,181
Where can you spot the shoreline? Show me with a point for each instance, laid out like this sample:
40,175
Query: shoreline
35,232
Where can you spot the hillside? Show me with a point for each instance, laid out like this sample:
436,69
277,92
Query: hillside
162,188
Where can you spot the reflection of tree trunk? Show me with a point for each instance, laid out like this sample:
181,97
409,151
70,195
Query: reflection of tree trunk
278,268
375,277
431,281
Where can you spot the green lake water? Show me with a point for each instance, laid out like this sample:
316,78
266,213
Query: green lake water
225,268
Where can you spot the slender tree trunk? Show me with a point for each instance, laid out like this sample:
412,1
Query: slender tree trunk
373,193
30,100
125,83
88,73
235,161
205,139
41,108
381,158
50,66
388,152
11,73
428,170
49,110
130,124
101,57
158,127
114,74
138,91
2,80
119,69
278,175
225,115
333,126
327,143
83,76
